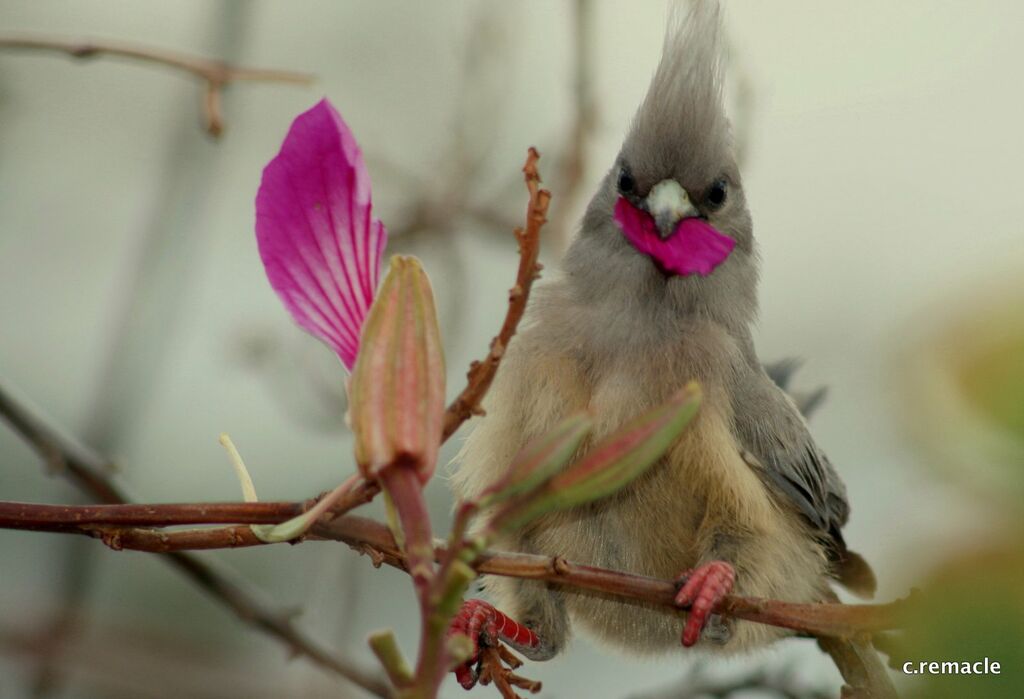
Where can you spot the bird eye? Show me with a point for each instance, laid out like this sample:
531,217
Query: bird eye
626,182
717,193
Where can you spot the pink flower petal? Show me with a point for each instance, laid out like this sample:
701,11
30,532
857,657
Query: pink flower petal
694,248
318,239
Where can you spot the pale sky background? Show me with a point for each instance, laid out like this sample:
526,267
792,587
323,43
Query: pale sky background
882,169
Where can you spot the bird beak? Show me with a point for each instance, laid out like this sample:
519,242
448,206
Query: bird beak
668,203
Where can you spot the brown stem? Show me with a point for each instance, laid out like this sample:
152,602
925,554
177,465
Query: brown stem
843,630
839,626
215,74
37,517
159,541
23,515
861,667
481,373
88,472
815,619
403,486
107,521
63,456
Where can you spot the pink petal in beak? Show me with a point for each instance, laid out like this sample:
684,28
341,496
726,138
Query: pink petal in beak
694,248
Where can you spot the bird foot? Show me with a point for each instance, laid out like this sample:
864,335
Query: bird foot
486,627
701,589
498,665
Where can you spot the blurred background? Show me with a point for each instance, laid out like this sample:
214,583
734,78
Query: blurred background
881,150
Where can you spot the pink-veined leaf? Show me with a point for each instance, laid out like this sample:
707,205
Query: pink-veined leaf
317,236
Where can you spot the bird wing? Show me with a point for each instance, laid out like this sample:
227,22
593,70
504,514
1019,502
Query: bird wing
779,446
781,373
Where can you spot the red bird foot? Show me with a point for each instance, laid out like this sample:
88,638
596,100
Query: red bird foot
486,627
703,588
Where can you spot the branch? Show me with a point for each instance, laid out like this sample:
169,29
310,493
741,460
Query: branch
83,467
368,536
87,471
843,631
481,373
214,74
23,515
860,666
108,522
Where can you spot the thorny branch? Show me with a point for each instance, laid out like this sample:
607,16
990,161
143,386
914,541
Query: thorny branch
482,373
89,473
214,74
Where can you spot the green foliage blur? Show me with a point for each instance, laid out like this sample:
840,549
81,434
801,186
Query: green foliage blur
973,601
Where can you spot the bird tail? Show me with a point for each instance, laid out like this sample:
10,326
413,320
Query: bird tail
855,574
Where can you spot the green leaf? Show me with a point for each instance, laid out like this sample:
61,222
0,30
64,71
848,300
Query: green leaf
298,526
449,597
385,647
541,459
613,463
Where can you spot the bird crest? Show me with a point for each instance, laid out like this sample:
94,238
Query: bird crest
682,118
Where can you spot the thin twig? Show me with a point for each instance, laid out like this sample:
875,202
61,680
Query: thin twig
62,456
481,373
216,75
23,515
87,471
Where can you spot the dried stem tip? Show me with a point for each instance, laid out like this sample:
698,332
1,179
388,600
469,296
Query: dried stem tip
397,392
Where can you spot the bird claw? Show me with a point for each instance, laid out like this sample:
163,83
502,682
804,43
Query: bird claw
497,666
701,590
486,627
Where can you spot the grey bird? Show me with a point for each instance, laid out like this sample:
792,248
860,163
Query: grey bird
659,287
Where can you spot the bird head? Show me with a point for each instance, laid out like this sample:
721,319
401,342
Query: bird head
672,205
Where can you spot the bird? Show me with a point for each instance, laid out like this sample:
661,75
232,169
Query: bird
657,288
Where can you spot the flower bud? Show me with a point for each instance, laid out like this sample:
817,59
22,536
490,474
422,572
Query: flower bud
397,389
